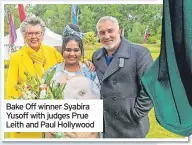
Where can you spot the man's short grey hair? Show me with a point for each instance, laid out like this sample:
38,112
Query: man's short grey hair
106,18
32,20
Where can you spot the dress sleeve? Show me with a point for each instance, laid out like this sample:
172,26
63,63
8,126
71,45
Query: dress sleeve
95,79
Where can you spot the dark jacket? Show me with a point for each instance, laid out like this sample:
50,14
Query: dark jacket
125,103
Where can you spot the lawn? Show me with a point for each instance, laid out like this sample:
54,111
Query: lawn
156,131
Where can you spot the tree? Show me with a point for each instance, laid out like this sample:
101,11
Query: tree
86,19
137,35
132,18
54,16
7,9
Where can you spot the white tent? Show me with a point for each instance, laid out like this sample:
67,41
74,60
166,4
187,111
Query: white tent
50,38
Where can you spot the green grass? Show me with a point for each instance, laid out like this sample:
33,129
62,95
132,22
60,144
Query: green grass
152,47
156,131
89,49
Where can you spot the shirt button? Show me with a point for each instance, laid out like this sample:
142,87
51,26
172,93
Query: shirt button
114,82
103,97
114,98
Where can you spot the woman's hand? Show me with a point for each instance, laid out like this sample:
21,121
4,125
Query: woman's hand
90,65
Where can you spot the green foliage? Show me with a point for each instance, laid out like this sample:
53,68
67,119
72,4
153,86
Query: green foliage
130,17
54,90
7,9
92,47
50,76
147,15
155,36
158,34
55,16
153,48
158,42
35,88
98,45
137,33
152,39
90,38
6,63
30,89
86,19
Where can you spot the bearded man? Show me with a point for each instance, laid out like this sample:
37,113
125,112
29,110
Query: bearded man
120,65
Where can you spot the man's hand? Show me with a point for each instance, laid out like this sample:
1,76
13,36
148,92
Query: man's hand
90,65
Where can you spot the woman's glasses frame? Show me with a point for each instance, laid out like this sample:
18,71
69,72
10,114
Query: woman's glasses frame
37,34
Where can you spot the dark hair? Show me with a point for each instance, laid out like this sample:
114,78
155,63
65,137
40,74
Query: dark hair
74,27
76,39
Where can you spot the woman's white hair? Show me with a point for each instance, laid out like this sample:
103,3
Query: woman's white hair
32,20
106,18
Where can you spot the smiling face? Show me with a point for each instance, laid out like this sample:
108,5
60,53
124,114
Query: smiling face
72,53
34,36
109,35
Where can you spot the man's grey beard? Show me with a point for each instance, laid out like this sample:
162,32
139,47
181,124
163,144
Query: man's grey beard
112,46
108,47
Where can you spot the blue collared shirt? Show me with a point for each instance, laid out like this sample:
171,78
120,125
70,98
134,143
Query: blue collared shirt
108,59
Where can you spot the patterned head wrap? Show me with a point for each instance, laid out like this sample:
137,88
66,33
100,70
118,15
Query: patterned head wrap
69,31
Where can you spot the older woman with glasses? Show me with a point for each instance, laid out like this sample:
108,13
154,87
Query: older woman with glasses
34,57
